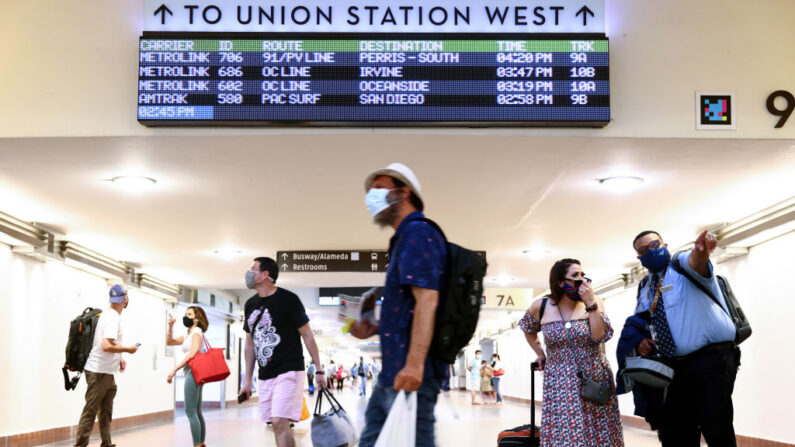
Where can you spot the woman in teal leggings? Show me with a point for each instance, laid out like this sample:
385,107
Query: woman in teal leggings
196,321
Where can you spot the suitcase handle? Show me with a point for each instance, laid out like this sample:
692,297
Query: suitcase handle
534,366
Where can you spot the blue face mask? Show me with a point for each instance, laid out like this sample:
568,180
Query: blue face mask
656,260
376,200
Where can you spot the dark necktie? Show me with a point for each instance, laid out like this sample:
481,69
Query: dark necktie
665,342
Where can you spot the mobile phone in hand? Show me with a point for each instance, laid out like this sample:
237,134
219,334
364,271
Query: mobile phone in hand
242,397
137,345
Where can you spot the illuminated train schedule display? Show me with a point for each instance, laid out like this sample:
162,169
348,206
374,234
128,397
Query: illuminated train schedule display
373,80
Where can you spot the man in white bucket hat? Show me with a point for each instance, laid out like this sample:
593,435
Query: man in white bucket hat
417,262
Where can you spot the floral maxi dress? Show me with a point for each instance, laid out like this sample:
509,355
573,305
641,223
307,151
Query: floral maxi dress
567,420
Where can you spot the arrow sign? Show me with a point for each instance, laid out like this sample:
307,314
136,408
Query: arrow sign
486,17
162,10
330,261
585,10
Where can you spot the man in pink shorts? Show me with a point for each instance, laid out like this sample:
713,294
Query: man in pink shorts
275,322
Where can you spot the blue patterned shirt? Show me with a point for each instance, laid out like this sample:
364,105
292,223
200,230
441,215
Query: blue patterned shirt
418,258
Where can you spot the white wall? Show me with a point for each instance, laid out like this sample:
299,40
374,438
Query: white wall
762,394
38,301
73,64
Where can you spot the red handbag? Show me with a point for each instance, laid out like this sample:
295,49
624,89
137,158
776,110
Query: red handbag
209,366
499,372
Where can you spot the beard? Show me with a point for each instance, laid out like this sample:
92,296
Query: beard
387,217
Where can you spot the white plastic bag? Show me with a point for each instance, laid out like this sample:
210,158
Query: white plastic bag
400,427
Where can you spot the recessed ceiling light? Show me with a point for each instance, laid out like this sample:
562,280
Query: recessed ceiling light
502,280
228,253
620,183
537,253
133,181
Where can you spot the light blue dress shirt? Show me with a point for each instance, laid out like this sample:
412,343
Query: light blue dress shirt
694,319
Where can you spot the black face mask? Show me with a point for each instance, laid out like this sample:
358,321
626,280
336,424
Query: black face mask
188,322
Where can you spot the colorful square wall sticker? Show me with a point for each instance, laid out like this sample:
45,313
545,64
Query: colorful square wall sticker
715,111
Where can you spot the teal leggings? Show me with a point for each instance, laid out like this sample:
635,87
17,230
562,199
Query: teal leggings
193,408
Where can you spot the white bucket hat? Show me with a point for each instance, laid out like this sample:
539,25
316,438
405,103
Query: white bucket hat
400,172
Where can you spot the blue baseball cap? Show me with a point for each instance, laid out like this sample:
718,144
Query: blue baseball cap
117,293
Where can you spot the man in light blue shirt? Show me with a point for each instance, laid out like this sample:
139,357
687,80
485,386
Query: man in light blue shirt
696,334
474,377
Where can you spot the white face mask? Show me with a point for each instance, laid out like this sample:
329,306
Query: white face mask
376,200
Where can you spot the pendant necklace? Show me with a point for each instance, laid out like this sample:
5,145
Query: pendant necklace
567,324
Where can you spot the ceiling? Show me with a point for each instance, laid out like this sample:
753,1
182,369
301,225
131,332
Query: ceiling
498,191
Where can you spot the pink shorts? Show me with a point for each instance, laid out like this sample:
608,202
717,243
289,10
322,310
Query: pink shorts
282,396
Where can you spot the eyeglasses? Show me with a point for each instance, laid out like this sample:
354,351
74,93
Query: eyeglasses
653,245
588,280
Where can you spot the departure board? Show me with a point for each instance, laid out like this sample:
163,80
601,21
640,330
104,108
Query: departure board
373,80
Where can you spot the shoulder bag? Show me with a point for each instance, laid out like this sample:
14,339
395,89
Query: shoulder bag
209,366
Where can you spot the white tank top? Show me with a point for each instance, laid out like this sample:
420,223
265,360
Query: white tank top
189,339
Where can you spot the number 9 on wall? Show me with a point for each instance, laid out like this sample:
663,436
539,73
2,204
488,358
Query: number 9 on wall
784,113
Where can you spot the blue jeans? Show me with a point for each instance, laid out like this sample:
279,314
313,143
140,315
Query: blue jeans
496,381
381,402
362,384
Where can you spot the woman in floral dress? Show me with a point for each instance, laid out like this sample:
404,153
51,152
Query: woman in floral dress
574,325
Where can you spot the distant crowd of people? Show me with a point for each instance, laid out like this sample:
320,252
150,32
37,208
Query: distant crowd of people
485,377
357,376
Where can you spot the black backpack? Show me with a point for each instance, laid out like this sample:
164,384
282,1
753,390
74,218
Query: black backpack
459,303
78,347
734,310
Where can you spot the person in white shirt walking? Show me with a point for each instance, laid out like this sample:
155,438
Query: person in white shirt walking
103,362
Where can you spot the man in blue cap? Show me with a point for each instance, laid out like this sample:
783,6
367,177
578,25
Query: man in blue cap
103,362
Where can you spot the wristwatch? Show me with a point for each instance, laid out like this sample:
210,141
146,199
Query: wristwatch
591,308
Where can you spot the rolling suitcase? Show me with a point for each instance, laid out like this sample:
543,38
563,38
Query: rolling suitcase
524,435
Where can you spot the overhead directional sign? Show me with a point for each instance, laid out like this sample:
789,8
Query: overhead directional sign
333,261
364,16
541,63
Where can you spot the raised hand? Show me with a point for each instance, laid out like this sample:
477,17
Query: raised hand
706,242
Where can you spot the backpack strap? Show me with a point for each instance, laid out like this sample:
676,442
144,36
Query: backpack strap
543,307
65,379
436,226
678,268
642,284
396,242
431,223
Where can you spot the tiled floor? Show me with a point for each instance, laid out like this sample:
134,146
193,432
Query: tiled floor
458,425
